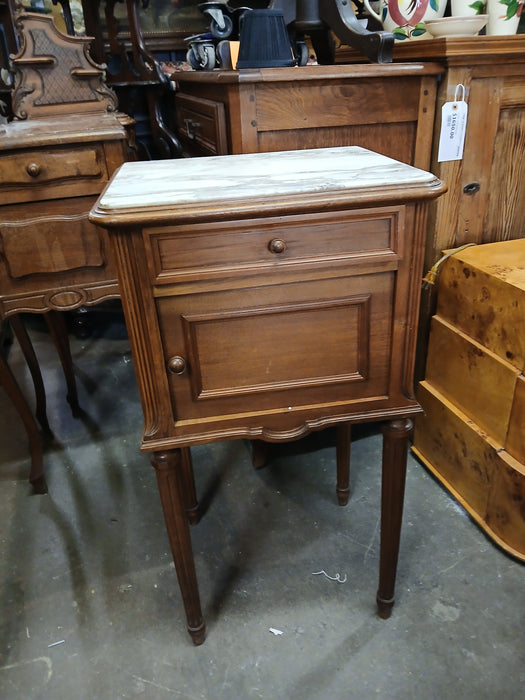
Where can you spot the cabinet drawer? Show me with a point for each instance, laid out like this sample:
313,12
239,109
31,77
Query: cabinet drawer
201,125
39,241
320,104
44,173
187,253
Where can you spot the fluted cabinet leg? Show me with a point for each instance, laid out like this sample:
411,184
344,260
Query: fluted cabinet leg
343,442
188,487
168,468
395,451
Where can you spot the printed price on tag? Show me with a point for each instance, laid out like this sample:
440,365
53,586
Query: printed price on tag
453,127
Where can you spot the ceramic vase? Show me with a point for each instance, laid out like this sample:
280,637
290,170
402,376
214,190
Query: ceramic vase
406,18
467,8
504,17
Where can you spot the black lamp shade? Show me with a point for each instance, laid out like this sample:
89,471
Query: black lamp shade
264,40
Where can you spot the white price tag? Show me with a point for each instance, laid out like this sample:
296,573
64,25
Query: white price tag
453,127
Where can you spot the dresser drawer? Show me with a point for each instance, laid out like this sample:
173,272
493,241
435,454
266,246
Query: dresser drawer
201,125
50,173
47,253
199,252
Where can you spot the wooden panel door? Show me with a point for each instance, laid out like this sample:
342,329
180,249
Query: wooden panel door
485,202
505,212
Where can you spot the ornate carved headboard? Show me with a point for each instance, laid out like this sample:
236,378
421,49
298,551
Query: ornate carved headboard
54,74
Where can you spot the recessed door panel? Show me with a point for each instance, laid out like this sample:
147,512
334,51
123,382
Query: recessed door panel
265,348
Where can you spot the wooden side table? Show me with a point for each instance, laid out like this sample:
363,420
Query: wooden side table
266,296
56,156
386,108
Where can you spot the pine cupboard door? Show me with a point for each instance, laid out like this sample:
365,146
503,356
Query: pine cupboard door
485,202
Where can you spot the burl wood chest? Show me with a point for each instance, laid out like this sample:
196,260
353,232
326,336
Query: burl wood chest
472,436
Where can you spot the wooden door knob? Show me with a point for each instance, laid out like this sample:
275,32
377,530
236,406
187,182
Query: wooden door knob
177,364
33,169
276,245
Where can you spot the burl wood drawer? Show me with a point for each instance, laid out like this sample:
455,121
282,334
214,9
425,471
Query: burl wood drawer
199,252
46,173
473,378
482,292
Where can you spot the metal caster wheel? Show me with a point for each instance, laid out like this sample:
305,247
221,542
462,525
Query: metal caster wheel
201,56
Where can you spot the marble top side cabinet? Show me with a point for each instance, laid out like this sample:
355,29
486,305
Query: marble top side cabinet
57,154
278,297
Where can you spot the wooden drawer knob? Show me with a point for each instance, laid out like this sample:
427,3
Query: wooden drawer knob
276,245
33,169
177,364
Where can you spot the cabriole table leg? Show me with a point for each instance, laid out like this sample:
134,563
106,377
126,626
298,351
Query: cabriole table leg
8,381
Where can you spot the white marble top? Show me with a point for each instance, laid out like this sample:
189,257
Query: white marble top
72,128
165,183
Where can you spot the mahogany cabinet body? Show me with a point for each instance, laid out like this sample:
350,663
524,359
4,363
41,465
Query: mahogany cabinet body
52,258
56,155
267,317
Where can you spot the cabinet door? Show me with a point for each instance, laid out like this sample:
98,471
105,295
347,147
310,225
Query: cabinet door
265,351
505,212
485,201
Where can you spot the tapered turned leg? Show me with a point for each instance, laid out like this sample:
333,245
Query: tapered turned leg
58,331
395,451
8,381
28,351
168,468
188,487
343,441
260,449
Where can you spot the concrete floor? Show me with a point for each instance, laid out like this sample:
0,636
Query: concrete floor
89,603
